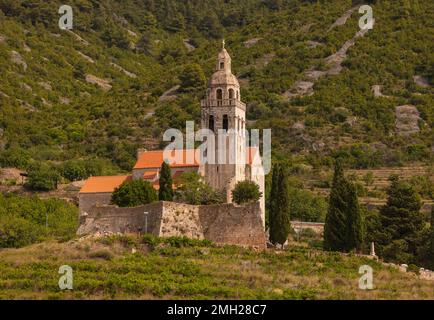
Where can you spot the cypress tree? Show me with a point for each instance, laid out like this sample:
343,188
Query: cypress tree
272,202
431,240
165,193
354,237
281,223
335,228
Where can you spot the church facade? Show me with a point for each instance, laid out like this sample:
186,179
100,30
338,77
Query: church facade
223,114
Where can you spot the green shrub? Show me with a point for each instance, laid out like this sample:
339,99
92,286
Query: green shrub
17,232
134,193
23,220
42,178
74,170
102,254
193,190
246,191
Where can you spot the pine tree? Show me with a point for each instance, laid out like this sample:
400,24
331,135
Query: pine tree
401,222
354,237
280,223
165,193
335,223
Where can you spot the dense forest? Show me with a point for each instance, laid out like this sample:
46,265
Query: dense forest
52,112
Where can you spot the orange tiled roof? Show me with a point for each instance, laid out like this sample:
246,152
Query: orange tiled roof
154,159
103,184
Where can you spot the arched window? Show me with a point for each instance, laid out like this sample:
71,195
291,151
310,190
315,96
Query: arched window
211,123
222,65
231,94
219,94
225,122
219,97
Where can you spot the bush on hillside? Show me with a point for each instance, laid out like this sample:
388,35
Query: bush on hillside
245,192
134,193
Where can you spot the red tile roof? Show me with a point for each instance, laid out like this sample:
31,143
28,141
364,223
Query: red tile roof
103,184
154,159
147,160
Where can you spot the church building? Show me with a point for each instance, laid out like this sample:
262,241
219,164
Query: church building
222,111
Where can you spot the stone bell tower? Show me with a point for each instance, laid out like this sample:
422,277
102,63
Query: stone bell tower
225,115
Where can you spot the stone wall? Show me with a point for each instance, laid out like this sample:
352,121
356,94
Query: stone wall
232,224
112,219
222,224
317,227
88,200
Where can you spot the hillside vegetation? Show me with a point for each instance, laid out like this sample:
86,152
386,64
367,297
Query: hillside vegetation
97,92
176,268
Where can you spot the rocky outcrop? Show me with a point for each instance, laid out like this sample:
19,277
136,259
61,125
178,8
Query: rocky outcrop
251,42
76,36
333,62
313,44
421,81
45,85
188,45
342,19
18,59
300,88
407,120
170,94
119,68
376,90
102,83
85,57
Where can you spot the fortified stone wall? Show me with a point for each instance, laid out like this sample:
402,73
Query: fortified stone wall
231,224
89,200
222,224
112,219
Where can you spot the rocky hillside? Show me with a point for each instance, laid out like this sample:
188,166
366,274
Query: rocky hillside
121,76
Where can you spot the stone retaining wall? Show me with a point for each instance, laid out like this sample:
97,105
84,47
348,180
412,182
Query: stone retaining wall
222,224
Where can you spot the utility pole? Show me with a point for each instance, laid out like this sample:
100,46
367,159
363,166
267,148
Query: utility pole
146,221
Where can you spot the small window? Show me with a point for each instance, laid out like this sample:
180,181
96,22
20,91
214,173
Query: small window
225,122
219,94
211,123
231,94
222,65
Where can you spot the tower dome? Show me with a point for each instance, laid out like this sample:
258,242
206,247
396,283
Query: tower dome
223,75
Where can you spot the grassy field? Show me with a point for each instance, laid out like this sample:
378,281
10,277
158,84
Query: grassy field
148,268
